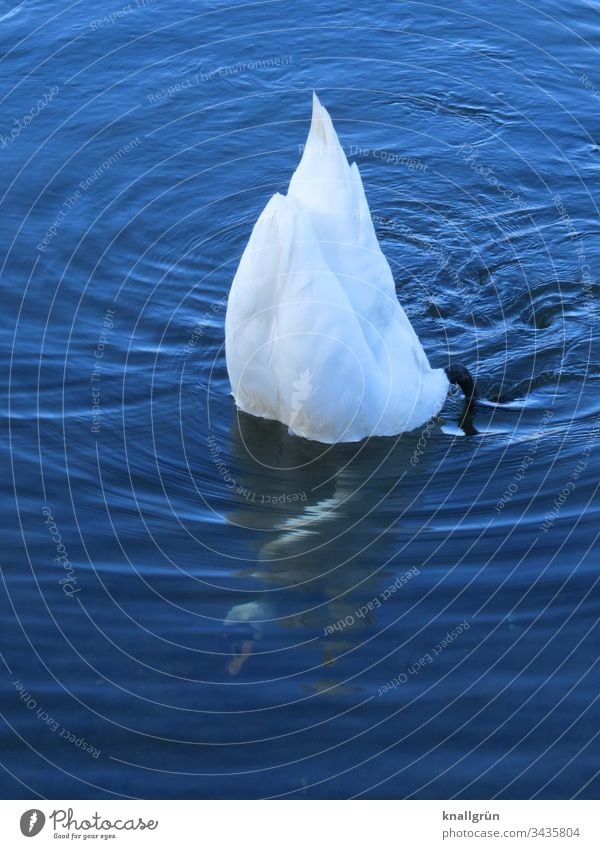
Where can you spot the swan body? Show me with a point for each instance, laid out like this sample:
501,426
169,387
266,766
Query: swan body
314,334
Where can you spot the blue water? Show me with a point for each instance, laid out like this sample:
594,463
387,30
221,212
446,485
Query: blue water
196,604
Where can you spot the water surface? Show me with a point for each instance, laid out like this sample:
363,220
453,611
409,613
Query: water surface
196,604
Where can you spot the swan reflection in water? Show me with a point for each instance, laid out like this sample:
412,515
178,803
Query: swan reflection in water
329,522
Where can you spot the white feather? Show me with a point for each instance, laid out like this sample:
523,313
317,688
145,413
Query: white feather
315,336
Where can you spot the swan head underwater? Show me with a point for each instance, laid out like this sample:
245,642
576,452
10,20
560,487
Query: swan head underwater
315,337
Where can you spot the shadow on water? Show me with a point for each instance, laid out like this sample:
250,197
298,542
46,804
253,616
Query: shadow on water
326,519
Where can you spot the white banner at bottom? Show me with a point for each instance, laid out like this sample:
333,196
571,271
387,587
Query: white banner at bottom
294,824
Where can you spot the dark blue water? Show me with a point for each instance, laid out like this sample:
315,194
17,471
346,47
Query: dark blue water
199,605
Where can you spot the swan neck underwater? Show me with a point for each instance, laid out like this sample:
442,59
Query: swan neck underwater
315,336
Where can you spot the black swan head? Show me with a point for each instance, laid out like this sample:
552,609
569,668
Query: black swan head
461,376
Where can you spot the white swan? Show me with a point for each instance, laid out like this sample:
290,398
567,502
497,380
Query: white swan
314,334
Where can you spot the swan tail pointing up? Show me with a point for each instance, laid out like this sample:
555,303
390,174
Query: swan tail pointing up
315,336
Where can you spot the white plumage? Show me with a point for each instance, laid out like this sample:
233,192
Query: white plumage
314,334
